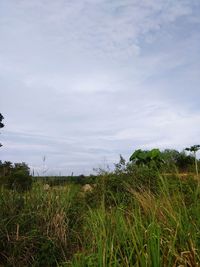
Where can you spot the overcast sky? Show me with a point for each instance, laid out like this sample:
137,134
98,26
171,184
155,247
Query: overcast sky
82,81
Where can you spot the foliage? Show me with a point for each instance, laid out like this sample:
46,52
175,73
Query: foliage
169,160
1,124
58,228
137,215
145,157
185,162
15,177
177,161
194,150
65,180
114,187
39,228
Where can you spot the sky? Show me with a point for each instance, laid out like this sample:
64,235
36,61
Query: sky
83,81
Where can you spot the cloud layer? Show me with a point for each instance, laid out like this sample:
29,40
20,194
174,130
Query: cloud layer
82,81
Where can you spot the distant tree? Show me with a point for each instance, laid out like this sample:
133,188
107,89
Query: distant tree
184,162
20,177
175,159
193,150
15,177
6,168
1,124
147,157
170,155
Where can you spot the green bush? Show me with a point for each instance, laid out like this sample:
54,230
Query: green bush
17,177
20,181
113,188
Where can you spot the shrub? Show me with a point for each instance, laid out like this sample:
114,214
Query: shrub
113,188
20,181
17,178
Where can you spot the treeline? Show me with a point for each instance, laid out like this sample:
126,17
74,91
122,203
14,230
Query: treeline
17,176
168,160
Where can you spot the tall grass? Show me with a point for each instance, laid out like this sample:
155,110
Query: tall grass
38,227
153,230
59,227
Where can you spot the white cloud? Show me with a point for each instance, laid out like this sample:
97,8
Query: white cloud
84,80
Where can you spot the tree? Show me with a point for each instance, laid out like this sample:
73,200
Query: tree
6,168
15,176
20,178
170,156
1,124
147,157
175,159
193,149
185,162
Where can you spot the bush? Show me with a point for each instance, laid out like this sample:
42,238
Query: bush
113,188
17,178
20,181
143,177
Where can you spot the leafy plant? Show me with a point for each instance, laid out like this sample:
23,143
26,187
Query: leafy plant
194,150
145,157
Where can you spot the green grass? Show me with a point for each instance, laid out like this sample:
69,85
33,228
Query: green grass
60,227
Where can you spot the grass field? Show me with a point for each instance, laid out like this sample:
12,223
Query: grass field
63,226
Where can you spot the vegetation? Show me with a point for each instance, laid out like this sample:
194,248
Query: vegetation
137,215
16,177
1,124
152,157
65,180
194,150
